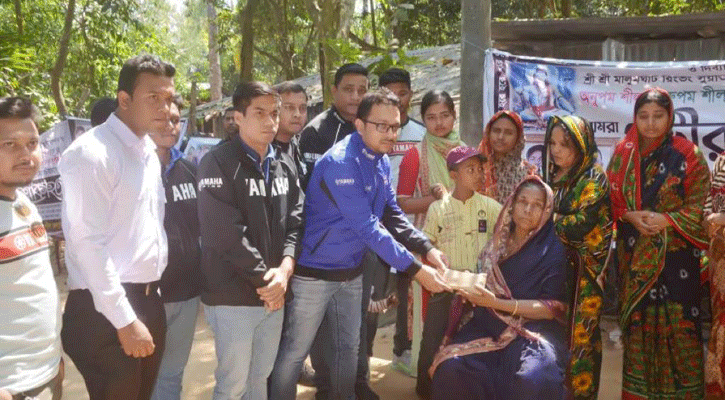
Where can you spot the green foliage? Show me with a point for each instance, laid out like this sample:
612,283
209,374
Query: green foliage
392,59
107,32
521,9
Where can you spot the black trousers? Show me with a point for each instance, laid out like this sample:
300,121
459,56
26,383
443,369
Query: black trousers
434,328
92,343
401,342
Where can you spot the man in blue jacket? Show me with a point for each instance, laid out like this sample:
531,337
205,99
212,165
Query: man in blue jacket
350,208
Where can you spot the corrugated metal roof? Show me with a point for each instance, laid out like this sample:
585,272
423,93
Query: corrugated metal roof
611,39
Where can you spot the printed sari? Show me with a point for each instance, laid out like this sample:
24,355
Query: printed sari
501,176
583,222
660,275
488,354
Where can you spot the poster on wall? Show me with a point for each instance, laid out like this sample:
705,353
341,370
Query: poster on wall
604,93
45,191
196,147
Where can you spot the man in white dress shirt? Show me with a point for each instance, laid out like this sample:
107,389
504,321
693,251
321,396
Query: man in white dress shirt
113,212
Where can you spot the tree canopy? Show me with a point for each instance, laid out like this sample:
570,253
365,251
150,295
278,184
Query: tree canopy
65,54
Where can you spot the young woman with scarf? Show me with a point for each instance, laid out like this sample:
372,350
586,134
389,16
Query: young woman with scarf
659,185
503,146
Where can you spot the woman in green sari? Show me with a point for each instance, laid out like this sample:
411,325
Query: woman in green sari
659,185
583,222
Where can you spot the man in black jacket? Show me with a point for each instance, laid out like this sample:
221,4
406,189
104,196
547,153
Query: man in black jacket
335,123
250,215
292,118
181,280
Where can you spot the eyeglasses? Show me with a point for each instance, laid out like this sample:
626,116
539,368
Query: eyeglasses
382,127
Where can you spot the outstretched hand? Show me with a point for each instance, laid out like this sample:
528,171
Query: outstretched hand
431,280
438,260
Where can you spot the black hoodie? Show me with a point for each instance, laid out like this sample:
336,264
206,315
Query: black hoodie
320,134
182,277
248,224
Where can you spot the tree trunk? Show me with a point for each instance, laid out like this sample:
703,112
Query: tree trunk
215,70
475,39
191,126
19,16
373,24
566,8
57,71
247,51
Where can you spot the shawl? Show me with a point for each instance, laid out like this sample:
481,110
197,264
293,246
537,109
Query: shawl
501,176
582,136
433,167
493,255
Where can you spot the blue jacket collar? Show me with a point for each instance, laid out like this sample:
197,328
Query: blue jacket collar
366,153
176,155
261,165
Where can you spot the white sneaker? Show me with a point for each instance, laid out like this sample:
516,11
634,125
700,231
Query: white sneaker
401,364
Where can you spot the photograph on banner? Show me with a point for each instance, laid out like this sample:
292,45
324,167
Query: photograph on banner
78,126
45,191
196,147
604,94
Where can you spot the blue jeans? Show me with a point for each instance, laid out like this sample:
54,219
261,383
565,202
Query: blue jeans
180,324
315,299
321,351
246,341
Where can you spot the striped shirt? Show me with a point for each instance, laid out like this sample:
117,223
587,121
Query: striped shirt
30,330
461,230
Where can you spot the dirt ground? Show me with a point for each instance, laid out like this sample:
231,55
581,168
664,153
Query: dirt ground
387,383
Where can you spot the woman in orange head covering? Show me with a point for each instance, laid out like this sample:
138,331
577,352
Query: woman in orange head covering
502,145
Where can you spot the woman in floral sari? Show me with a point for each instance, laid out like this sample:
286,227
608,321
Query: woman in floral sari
512,344
502,145
659,185
583,222
714,222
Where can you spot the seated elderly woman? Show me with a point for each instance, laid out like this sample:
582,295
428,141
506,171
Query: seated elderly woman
512,343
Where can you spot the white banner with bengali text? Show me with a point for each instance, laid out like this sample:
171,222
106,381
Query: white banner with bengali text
604,93
46,189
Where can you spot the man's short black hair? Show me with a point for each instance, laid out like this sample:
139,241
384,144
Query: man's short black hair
394,75
135,66
103,109
350,69
290,87
18,107
377,97
247,91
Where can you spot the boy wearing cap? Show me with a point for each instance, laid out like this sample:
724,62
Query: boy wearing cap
459,224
